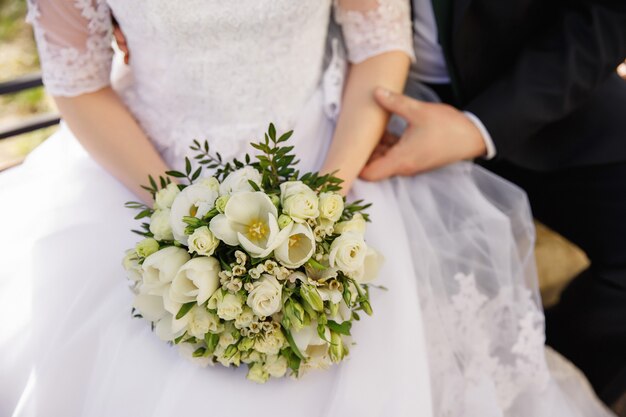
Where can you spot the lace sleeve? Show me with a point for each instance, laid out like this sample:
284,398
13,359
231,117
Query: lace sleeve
371,27
74,42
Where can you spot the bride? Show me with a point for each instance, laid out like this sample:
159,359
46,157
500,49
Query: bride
459,331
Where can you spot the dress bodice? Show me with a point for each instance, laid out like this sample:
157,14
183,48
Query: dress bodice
224,70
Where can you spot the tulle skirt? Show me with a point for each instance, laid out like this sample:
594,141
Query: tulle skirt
457,329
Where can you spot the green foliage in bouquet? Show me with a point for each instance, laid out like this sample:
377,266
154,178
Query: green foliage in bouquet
258,264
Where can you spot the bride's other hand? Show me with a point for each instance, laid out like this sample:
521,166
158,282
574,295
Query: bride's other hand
436,135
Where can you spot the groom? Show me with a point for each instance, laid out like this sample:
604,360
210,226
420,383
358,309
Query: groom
531,88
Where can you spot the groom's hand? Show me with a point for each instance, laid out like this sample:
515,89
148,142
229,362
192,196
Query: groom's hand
436,135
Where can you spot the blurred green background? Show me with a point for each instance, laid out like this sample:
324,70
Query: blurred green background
18,56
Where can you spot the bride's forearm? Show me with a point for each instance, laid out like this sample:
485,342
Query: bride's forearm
107,130
362,122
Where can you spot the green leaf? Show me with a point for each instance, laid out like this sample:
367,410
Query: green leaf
187,166
285,136
196,174
175,174
315,265
254,185
199,352
179,338
343,328
144,213
184,310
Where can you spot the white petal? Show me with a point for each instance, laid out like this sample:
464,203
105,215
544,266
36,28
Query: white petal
221,227
150,306
246,206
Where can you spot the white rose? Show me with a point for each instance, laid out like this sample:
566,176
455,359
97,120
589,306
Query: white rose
196,281
371,267
160,225
257,373
238,181
210,182
245,318
331,206
250,220
270,343
160,268
266,297
203,242
275,365
229,307
165,197
347,252
355,224
299,201
298,248
194,201
196,322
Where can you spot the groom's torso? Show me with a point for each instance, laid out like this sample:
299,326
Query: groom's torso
482,41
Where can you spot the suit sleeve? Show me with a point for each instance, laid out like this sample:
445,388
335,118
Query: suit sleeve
554,74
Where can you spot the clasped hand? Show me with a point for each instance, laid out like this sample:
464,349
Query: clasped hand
436,135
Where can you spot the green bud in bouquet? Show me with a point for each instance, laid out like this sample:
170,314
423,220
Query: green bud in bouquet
147,247
365,305
258,374
312,297
230,351
246,344
275,199
337,350
334,309
284,221
294,315
220,203
211,340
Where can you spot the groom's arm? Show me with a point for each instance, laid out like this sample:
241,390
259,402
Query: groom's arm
554,74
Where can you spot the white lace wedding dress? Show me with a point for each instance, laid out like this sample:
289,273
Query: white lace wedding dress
459,331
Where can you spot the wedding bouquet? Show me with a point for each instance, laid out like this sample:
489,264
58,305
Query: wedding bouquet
255,265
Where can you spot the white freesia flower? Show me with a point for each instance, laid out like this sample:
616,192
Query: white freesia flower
250,220
355,224
238,181
299,201
194,201
265,299
160,268
331,206
203,241
160,225
371,267
229,307
347,252
298,248
164,198
275,365
196,281
317,358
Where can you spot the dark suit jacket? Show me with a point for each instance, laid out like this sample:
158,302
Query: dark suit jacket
540,74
